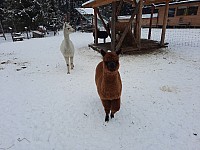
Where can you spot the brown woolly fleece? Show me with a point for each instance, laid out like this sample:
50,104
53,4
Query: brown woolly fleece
109,85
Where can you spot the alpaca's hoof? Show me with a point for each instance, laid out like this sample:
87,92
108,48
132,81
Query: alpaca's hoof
68,72
72,66
106,118
112,115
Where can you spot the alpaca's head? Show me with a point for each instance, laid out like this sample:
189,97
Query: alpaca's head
111,61
67,28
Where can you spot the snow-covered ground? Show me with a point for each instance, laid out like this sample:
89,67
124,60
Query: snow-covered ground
44,108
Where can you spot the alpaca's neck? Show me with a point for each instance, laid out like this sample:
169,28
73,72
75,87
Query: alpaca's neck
110,76
66,37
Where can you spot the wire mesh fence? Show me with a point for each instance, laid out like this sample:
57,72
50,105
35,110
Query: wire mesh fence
176,37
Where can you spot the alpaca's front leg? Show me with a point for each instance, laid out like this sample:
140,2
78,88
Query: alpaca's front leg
72,62
67,62
107,107
107,118
115,106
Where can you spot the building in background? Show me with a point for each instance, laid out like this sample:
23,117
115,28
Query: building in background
181,14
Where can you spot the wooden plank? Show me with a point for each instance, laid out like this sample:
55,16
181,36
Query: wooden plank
135,27
129,1
127,28
139,22
150,24
95,26
104,46
113,24
164,23
147,46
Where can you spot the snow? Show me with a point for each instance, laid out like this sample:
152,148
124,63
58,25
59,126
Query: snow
177,2
85,11
87,2
44,108
155,15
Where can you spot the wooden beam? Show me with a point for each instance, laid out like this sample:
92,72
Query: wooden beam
103,22
97,3
113,24
149,2
136,26
135,23
95,26
129,1
1,26
139,23
119,8
150,24
164,23
127,28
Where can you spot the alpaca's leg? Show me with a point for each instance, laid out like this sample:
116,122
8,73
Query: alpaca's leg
115,106
107,107
72,62
67,62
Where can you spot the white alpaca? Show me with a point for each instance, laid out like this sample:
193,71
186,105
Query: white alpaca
67,47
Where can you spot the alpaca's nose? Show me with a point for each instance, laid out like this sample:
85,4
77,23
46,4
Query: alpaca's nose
111,65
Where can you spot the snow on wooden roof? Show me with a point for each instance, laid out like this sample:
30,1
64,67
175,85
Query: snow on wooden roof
127,17
97,3
85,11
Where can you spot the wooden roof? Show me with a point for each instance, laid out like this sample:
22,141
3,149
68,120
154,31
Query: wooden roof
97,3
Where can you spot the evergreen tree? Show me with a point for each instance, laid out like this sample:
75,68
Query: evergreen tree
32,13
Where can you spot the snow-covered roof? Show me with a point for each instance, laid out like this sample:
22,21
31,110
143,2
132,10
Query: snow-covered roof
88,2
179,2
143,16
84,11
155,15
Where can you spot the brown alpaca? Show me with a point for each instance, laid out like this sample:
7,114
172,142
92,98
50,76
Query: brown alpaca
108,82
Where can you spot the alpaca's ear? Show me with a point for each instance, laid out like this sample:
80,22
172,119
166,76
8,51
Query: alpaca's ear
119,52
103,53
68,23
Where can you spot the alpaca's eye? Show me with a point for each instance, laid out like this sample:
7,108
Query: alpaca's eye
68,28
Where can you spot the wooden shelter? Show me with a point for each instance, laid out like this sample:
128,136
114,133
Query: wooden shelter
126,35
181,14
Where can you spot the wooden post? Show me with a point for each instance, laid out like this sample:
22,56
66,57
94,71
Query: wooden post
139,24
127,28
135,22
164,23
81,21
150,24
113,24
95,26
119,8
2,29
135,27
